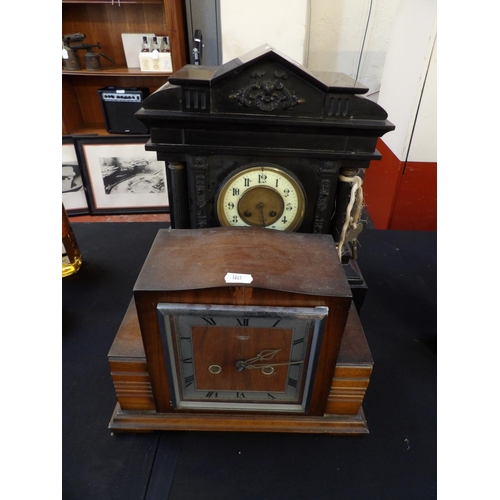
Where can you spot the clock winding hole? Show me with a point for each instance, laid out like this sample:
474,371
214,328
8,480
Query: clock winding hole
215,369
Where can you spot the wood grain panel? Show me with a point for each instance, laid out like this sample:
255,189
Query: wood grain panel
104,23
72,114
330,424
214,345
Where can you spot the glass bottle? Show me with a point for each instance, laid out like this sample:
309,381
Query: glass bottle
145,44
155,45
165,46
71,255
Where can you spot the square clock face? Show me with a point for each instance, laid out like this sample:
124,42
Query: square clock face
247,358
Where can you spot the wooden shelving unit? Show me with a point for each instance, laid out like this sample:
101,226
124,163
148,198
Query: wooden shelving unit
104,21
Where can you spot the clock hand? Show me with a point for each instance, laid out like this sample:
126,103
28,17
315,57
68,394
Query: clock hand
266,354
260,206
249,367
241,364
256,362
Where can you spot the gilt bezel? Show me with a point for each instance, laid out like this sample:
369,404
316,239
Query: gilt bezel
262,166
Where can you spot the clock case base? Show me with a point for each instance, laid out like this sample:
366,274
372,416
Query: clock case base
135,410
152,421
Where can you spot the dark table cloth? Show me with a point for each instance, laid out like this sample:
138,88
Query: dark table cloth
397,460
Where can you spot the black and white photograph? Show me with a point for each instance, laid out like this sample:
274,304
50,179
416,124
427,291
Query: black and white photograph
132,175
122,176
73,192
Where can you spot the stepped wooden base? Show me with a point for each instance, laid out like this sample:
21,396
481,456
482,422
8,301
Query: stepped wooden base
135,410
150,421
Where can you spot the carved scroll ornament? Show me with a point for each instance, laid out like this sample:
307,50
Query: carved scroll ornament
267,95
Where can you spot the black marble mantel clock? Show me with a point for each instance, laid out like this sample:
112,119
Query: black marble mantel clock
261,141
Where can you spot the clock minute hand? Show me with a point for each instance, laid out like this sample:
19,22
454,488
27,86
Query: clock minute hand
265,365
241,364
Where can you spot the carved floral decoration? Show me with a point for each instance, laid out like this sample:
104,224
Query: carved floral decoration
267,95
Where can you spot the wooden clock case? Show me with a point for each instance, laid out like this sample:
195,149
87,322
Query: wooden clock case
288,270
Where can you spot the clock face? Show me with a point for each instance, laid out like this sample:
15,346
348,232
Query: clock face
241,357
263,196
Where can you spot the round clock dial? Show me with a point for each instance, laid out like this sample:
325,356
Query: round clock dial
262,196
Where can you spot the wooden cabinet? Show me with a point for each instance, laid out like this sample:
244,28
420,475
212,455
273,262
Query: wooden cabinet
104,21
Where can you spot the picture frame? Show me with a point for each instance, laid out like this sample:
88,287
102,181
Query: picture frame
121,176
74,196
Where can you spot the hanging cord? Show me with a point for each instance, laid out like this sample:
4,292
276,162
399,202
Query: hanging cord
354,207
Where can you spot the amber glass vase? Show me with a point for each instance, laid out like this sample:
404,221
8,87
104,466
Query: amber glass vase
71,256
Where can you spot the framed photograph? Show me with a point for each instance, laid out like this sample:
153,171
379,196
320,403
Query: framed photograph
73,190
121,176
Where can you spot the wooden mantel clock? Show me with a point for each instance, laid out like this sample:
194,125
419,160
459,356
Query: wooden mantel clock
263,142
235,328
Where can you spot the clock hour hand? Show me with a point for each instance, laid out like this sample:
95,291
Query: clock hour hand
241,364
260,206
259,361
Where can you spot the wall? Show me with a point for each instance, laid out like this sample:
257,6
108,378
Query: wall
282,24
389,46
401,190
415,206
352,38
322,35
405,69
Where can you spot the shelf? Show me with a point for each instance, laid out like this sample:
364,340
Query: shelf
103,22
115,2
120,71
91,129
98,129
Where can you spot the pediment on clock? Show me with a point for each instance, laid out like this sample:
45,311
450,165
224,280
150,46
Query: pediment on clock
267,54
264,82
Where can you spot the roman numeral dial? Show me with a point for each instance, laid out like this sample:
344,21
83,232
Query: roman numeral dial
240,357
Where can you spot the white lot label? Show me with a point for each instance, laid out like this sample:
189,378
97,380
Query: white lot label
238,278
